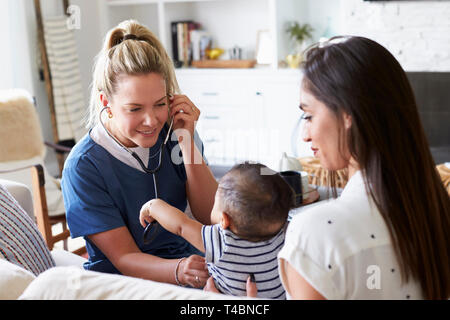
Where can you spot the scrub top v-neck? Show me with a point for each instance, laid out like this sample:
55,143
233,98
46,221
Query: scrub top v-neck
102,193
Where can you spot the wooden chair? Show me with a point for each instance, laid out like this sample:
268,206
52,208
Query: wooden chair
21,147
43,220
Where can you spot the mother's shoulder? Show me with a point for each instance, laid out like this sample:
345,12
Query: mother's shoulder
325,212
316,213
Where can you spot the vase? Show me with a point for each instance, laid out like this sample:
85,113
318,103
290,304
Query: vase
294,60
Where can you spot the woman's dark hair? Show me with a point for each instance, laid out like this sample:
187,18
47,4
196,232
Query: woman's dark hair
255,197
359,77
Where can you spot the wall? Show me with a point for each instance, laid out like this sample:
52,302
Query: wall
19,59
416,32
325,17
20,66
15,56
7,76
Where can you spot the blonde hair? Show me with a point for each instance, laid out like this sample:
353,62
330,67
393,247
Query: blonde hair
129,49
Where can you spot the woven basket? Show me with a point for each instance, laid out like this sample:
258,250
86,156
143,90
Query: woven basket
444,172
319,176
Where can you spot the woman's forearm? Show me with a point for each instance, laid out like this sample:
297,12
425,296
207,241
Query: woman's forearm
121,249
201,185
146,266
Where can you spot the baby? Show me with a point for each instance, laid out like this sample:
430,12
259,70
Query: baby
249,222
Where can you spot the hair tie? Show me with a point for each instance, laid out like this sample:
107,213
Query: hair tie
129,36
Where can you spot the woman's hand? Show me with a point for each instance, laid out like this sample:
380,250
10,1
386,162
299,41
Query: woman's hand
252,291
193,271
186,119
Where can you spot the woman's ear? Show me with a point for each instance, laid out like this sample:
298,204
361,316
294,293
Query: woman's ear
103,99
347,121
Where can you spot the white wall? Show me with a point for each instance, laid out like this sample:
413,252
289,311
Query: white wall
323,15
416,32
89,39
15,56
6,76
19,59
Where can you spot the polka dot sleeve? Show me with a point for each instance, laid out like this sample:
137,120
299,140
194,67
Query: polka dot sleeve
315,275
307,251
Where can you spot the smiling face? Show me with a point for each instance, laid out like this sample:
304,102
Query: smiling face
140,109
322,129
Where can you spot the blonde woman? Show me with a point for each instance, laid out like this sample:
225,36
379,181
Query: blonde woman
135,94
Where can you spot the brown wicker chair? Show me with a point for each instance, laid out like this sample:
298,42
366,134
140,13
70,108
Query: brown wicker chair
444,172
319,176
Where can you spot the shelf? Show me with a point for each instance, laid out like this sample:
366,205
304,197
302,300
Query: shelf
249,17
258,70
137,2
237,64
130,2
174,1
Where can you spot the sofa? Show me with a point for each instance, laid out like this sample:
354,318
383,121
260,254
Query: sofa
72,282
29,271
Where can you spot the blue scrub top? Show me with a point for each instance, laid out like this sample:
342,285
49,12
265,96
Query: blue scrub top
102,193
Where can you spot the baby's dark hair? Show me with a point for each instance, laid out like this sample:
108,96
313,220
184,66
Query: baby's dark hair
255,197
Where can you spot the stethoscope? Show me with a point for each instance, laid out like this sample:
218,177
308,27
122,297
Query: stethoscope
154,224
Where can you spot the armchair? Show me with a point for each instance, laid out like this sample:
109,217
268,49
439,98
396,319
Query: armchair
21,148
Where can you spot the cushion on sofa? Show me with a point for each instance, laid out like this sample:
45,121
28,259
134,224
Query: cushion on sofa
13,280
65,258
20,240
73,283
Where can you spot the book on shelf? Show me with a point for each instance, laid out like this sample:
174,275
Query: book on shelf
188,42
200,41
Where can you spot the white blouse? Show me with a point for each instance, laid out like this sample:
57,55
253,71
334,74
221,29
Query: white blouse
342,248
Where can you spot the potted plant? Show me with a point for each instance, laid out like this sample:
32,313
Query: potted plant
298,34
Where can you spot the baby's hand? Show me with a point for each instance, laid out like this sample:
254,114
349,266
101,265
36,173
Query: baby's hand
148,211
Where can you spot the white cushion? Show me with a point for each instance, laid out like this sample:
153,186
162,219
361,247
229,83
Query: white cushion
21,193
73,283
65,258
13,280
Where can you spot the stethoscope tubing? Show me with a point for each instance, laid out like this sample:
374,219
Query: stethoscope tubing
153,225
132,153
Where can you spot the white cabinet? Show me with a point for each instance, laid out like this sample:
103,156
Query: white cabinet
245,115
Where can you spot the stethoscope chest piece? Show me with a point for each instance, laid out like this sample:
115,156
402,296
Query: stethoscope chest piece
153,229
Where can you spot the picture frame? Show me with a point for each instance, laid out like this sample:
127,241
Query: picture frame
264,47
